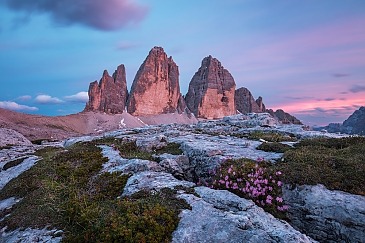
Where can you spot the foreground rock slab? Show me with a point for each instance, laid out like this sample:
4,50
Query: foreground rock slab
220,216
330,216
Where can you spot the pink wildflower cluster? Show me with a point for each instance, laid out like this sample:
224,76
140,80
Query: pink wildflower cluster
253,182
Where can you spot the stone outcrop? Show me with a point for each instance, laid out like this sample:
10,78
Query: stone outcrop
155,89
10,137
284,117
211,91
245,103
110,94
327,216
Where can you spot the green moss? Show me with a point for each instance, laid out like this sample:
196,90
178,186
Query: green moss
13,163
171,148
273,147
336,143
271,136
339,164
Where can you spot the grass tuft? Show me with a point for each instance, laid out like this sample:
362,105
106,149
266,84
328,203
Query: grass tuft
271,136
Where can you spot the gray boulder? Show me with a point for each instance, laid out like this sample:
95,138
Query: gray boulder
11,137
328,216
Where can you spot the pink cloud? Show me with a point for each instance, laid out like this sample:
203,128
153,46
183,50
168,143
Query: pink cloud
333,47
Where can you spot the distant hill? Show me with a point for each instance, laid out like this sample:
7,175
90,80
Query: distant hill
355,124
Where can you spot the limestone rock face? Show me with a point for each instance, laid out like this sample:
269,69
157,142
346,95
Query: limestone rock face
155,89
211,91
110,94
245,103
284,117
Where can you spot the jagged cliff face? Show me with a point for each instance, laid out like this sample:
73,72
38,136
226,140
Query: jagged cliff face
261,104
355,124
211,91
155,89
245,103
110,94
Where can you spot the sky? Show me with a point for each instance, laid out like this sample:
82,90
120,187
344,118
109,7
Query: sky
305,57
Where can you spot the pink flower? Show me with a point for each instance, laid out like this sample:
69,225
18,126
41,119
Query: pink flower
222,181
278,173
226,178
279,199
280,183
229,170
227,185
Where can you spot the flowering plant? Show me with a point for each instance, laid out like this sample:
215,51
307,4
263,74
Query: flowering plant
252,180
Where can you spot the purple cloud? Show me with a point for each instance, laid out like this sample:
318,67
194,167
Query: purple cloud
299,98
340,75
98,14
357,88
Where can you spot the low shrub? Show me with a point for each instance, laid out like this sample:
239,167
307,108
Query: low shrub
274,147
171,148
339,164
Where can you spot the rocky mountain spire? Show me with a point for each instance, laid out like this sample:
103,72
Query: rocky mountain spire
261,104
211,91
155,88
245,103
110,94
